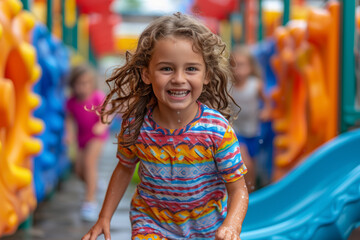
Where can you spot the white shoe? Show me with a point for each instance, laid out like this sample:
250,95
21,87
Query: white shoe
89,212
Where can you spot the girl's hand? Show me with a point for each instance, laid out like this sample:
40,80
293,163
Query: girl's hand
102,226
265,115
99,128
227,233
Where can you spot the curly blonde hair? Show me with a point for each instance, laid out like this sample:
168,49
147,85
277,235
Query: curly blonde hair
131,97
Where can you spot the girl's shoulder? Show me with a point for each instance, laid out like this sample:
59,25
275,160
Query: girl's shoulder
212,117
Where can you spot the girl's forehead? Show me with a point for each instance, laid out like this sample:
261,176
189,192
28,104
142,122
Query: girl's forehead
176,38
175,42
174,47
86,77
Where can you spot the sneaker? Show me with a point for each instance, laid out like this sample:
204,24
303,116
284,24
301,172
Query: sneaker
89,212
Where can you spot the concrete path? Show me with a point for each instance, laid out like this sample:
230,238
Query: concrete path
59,218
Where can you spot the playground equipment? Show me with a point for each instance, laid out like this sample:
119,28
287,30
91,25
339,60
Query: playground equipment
357,56
18,72
273,16
320,199
263,51
51,165
306,99
349,111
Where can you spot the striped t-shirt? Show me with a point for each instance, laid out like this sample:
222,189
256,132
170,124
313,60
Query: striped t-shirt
183,172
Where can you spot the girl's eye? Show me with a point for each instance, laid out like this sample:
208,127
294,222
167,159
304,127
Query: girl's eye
191,69
167,69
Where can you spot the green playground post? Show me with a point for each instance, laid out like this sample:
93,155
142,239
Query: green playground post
49,11
74,32
69,34
92,56
63,26
286,12
260,23
26,4
348,114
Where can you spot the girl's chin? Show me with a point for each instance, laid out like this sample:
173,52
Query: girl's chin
183,107
177,98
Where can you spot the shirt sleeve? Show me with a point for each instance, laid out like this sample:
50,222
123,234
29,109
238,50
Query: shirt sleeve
228,157
127,155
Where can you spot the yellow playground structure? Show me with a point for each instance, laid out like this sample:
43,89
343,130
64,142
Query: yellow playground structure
18,72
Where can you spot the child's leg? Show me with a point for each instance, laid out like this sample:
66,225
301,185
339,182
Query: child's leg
91,156
79,164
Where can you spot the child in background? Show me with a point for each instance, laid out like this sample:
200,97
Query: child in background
191,172
91,132
247,91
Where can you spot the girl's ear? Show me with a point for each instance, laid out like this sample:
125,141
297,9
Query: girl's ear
206,79
145,76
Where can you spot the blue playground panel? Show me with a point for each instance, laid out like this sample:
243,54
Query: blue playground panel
263,51
318,200
54,60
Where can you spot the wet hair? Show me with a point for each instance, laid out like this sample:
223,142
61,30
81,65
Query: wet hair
131,97
254,64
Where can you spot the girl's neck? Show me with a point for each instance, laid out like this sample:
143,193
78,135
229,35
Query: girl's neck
83,97
174,119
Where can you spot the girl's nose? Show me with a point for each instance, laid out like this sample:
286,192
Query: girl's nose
179,77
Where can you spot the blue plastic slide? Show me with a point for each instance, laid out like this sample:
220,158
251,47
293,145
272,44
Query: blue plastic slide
318,200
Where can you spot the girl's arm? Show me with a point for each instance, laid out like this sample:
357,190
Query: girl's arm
238,199
266,111
69,129
118,184
99,128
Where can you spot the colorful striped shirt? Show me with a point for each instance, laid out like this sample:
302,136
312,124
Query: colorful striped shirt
182,194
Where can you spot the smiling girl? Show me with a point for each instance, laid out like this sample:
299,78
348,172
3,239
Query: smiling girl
172,95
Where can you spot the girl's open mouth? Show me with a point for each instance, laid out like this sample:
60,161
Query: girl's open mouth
179,94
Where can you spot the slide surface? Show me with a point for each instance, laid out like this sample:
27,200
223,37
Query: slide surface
319,199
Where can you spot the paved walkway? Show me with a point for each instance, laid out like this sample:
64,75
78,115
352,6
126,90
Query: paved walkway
59,219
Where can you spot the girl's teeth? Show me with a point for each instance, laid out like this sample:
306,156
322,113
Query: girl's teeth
178,93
